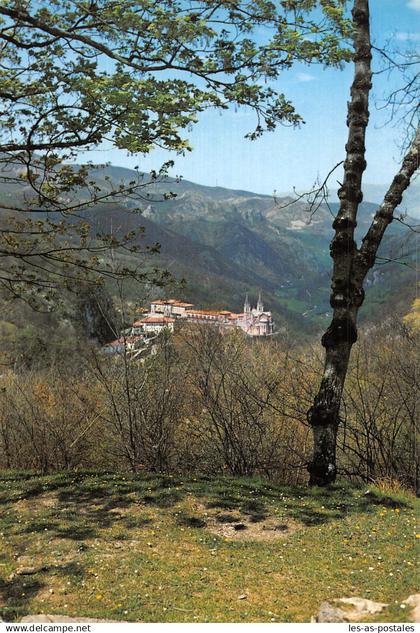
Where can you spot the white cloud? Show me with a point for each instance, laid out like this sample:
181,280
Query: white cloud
305,77
404,36
414,4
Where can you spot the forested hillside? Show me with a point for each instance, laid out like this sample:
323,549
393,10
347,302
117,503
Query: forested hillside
220,244
225,243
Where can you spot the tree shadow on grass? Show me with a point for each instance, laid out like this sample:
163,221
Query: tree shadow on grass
135,523
70,570
16,486
76,532
36,526
85,504
163,498
310,506
15,595
101,495
16,592
75,528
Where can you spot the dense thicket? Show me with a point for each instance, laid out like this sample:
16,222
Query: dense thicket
210,402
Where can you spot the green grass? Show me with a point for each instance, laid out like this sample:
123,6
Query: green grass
141,548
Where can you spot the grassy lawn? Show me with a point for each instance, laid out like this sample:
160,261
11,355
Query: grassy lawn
161,549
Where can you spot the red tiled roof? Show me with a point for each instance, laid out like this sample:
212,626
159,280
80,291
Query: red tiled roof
155,319
174,302
118,341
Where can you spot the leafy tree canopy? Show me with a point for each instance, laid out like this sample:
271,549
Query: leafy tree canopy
136,74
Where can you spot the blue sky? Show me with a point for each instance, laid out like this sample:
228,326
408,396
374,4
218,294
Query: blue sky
289,157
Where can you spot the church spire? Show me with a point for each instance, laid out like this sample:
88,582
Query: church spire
260,305
247,305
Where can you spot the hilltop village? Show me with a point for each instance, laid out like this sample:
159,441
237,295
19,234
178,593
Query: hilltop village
164,313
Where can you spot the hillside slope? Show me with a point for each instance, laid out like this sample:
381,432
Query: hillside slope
246,242
225,243
152,548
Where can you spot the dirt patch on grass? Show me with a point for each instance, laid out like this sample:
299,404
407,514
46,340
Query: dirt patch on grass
243,526
48,500
246,530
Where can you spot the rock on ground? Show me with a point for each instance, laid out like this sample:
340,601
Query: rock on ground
355,610
28,571
360,607
413,601
328,613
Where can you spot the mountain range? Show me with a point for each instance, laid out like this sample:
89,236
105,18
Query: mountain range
225,243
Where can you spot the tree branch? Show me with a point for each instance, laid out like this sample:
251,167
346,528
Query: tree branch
385,214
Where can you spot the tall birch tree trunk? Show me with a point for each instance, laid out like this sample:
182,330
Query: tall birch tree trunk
350,264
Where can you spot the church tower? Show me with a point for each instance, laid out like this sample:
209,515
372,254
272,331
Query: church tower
260,305
247,306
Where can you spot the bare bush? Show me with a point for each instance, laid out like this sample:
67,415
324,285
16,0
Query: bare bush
378,439
248,420
207,401
142,406
43,421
